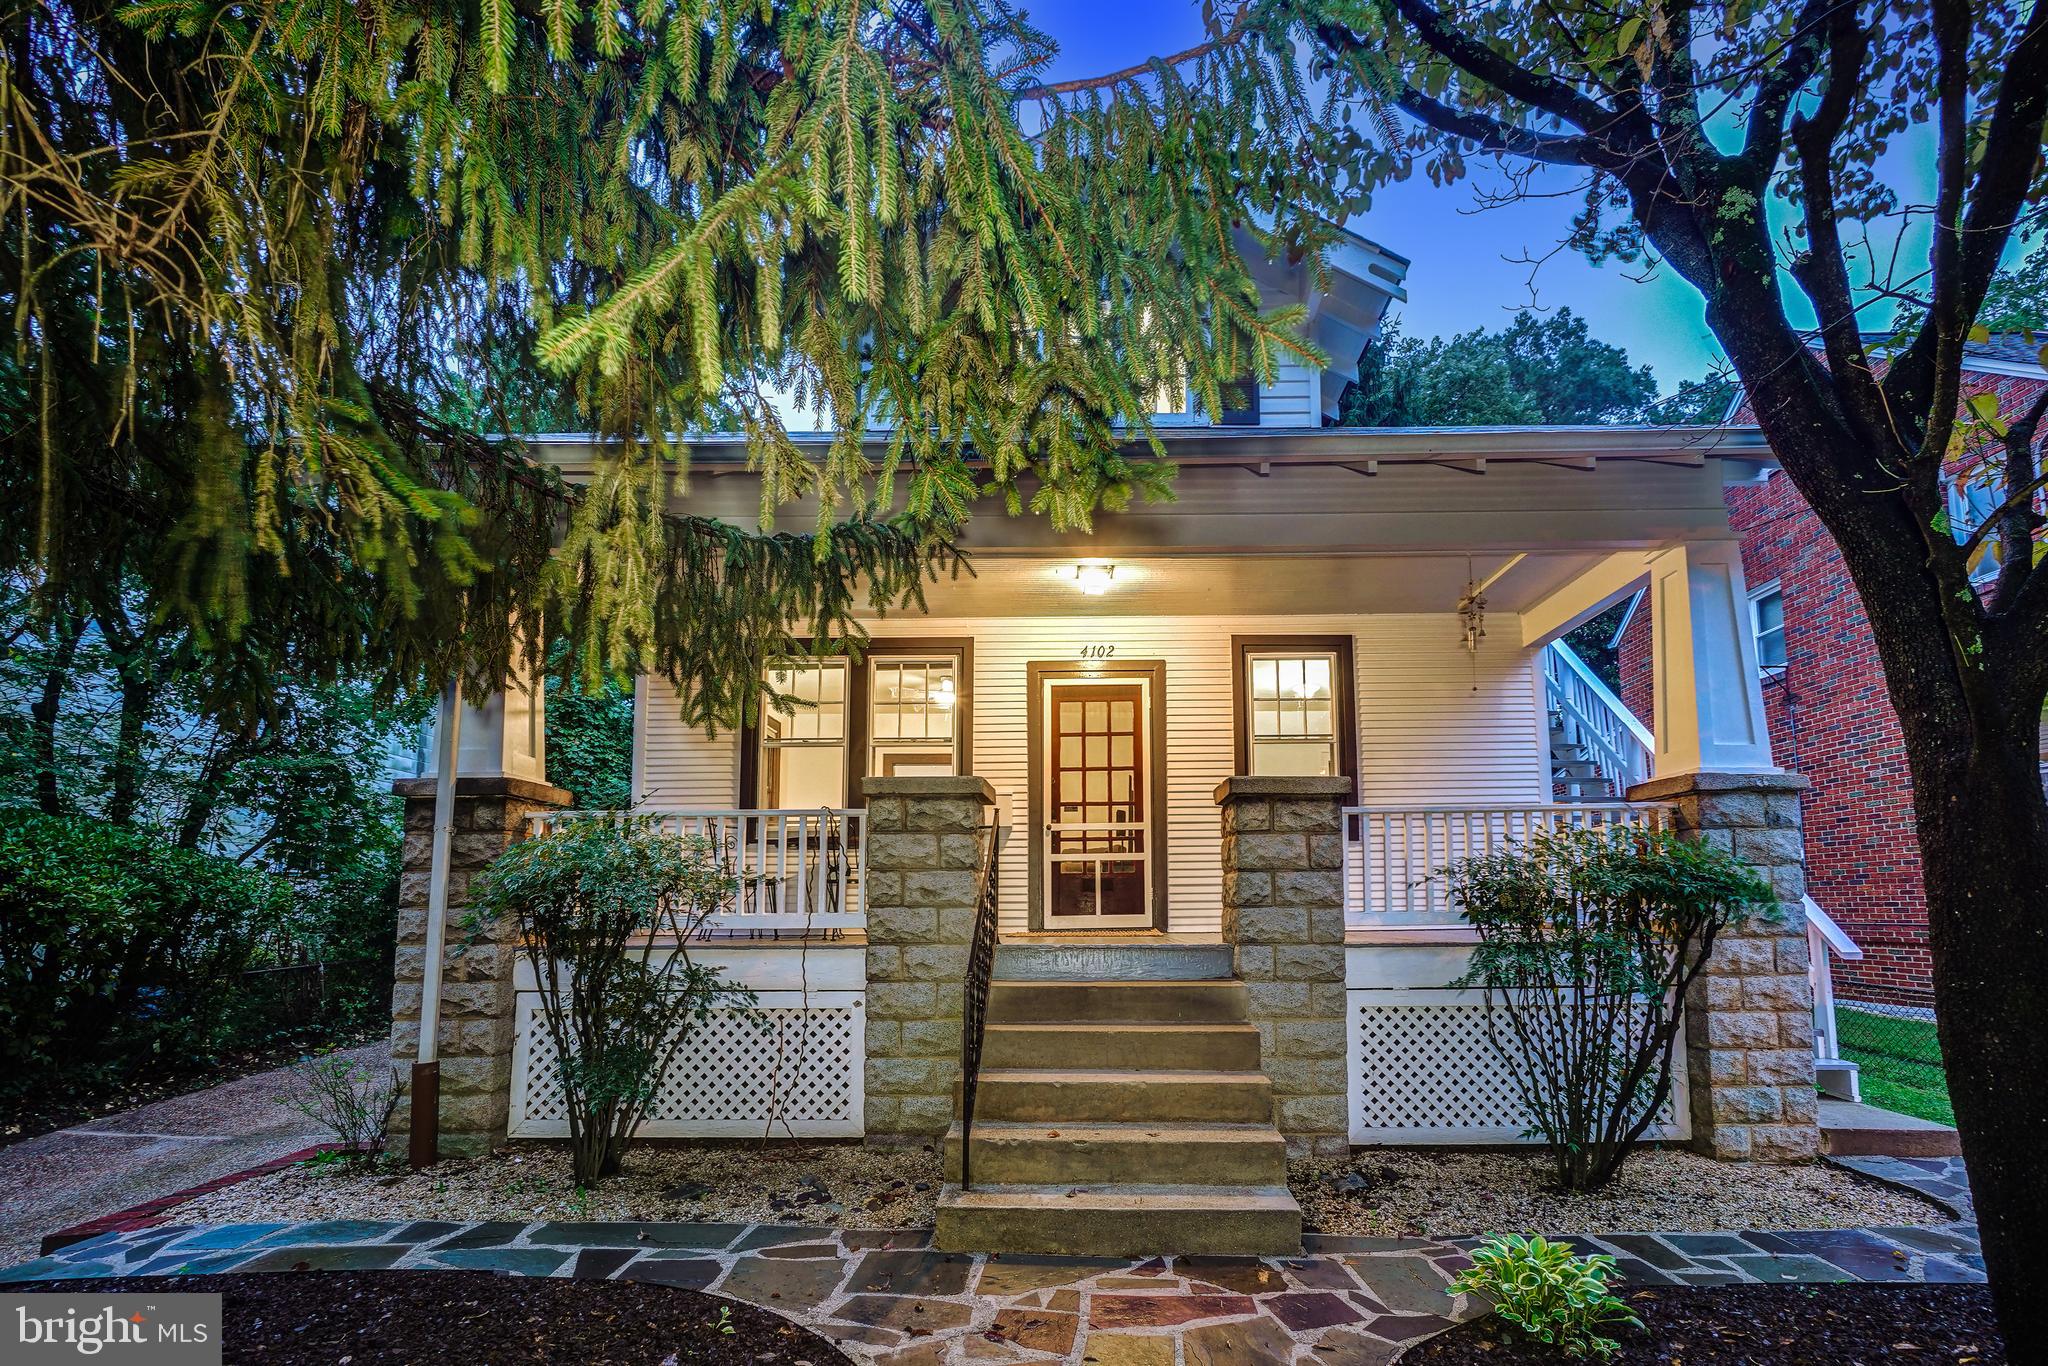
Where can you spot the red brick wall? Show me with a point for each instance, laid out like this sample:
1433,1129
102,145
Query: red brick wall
1832,720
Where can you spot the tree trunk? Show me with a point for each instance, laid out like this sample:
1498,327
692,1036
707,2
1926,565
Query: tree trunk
44,711
124,770
1984,853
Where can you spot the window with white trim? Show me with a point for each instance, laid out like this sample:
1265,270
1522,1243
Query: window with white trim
803,735
913,716
1767,623
1291,712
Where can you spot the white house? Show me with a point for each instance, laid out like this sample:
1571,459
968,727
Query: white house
1347,639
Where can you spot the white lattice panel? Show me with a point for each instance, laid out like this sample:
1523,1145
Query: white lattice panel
794,1072
1423,1071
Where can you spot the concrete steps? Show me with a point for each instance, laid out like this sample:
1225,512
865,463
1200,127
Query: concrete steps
1120,1117
1120,1221
1133,1047
1013,1154
1110,1097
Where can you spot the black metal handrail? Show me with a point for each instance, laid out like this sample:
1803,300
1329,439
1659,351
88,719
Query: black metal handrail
981,962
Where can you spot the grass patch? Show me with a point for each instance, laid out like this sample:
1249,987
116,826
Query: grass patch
1900,1063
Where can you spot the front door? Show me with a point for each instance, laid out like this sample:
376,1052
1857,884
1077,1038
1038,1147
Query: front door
1098,804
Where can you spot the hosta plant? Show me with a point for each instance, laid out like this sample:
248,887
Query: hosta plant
1549,1294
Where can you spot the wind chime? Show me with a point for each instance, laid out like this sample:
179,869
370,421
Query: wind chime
1472,619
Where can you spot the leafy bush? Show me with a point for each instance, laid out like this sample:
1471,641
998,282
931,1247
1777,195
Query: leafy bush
1546,1293
1588,942
604,908
117,951
353,1102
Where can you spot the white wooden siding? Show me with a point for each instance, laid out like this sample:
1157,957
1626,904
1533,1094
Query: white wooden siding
1425,734
675,764
1293,399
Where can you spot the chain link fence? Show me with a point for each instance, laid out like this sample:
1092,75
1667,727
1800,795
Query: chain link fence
1898,1058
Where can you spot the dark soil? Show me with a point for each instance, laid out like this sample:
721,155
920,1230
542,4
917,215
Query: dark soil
1765,1325
453,1318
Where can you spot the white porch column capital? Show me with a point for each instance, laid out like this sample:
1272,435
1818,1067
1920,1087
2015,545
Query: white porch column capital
1710,706
506,737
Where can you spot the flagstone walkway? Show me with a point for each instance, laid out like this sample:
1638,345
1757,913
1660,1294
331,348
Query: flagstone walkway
888,1299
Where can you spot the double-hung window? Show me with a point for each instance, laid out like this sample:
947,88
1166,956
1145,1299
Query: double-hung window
1294,708
1767,621
901,712
803,735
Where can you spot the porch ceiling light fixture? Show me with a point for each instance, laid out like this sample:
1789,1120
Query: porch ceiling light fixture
1094,579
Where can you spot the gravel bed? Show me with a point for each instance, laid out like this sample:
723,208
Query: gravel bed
842,1185
1391,1193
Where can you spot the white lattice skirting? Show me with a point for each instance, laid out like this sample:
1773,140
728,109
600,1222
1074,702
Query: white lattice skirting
1423,1072
734,1078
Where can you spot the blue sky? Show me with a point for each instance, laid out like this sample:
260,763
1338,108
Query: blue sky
1466,269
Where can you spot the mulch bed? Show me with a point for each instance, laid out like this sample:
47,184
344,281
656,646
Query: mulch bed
1765,1325
368,1318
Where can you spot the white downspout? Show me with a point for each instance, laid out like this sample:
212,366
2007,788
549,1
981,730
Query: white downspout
426,1091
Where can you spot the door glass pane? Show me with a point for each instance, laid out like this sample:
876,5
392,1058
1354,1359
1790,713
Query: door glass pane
1095,779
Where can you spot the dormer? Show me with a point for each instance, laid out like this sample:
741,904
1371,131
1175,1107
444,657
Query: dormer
1364,279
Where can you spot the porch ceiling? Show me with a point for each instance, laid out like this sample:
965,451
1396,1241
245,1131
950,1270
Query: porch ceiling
1254,585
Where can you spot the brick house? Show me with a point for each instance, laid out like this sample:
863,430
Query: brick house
1830,716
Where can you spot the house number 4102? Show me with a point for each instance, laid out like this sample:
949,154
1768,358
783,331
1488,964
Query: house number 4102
1097,651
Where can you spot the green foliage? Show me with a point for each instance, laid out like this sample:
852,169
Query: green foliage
119,952
259,247
604,908
1547,1294
2017,298
590,744
350,1101
1588,940
1537,370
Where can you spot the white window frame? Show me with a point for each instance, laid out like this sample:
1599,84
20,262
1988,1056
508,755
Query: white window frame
1252,738
767,742
878,660
1773,589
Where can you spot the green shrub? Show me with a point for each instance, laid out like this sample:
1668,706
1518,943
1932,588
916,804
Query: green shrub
605,908
118,952
1588,942
1546,1293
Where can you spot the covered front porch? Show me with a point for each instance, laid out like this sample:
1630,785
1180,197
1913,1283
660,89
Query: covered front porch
1080,739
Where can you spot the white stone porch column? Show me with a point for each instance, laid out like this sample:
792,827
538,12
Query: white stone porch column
1709,704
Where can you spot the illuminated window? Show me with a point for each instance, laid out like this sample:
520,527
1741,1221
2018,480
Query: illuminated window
1291,714
803,736
913,716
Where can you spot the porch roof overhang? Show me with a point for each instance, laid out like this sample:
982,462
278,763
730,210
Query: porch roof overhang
1279,520
1362,450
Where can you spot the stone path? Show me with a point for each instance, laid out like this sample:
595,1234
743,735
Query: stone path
1940,1179
118,1161
888,1299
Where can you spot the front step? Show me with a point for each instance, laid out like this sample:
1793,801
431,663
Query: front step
1012,1154
1113,962
1126,1047
1120,1221
1028,1095
1162,1002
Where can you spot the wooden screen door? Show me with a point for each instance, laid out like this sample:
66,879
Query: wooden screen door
1098,855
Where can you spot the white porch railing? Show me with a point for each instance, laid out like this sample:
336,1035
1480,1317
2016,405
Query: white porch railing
1591,726
798,871
1825,942
1392,855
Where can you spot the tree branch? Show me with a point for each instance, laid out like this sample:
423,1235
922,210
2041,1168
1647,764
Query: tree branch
1544,93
